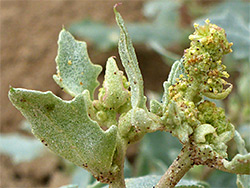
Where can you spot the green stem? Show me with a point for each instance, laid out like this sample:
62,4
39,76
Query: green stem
177,170
119,181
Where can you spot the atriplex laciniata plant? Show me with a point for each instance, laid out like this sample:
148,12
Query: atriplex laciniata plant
75,129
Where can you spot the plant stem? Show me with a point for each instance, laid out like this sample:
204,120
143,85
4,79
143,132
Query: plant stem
119,181
177,170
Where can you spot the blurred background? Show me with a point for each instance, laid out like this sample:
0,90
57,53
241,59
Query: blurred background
159,30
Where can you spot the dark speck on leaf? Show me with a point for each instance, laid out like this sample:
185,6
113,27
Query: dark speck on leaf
22,100
50,107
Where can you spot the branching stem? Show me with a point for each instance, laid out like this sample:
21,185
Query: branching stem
177,170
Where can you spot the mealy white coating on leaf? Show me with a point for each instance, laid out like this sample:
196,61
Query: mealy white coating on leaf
221,95
113,94
136,123
243,181
225,136
182,131
75,72
156,107
176,70
150,181
130,63
66,129
240,143
165,101
201,131
240,164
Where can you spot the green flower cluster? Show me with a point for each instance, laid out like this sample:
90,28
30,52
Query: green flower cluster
202,61
200,73
215,130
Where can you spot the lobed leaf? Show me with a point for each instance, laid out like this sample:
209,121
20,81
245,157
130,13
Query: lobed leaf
130,63
240,164
75,72
65,127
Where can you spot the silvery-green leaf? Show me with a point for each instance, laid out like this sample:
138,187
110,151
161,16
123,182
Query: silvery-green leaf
20,148
240,143
201,131
130,63
221,95
165,15
69,186
243,181
75,72
113,94
176,70
142,182
186,183
151,180
220,179
156,107
240,164
145,182
81,177
66,129
96,184
244,131
136,123
166,54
